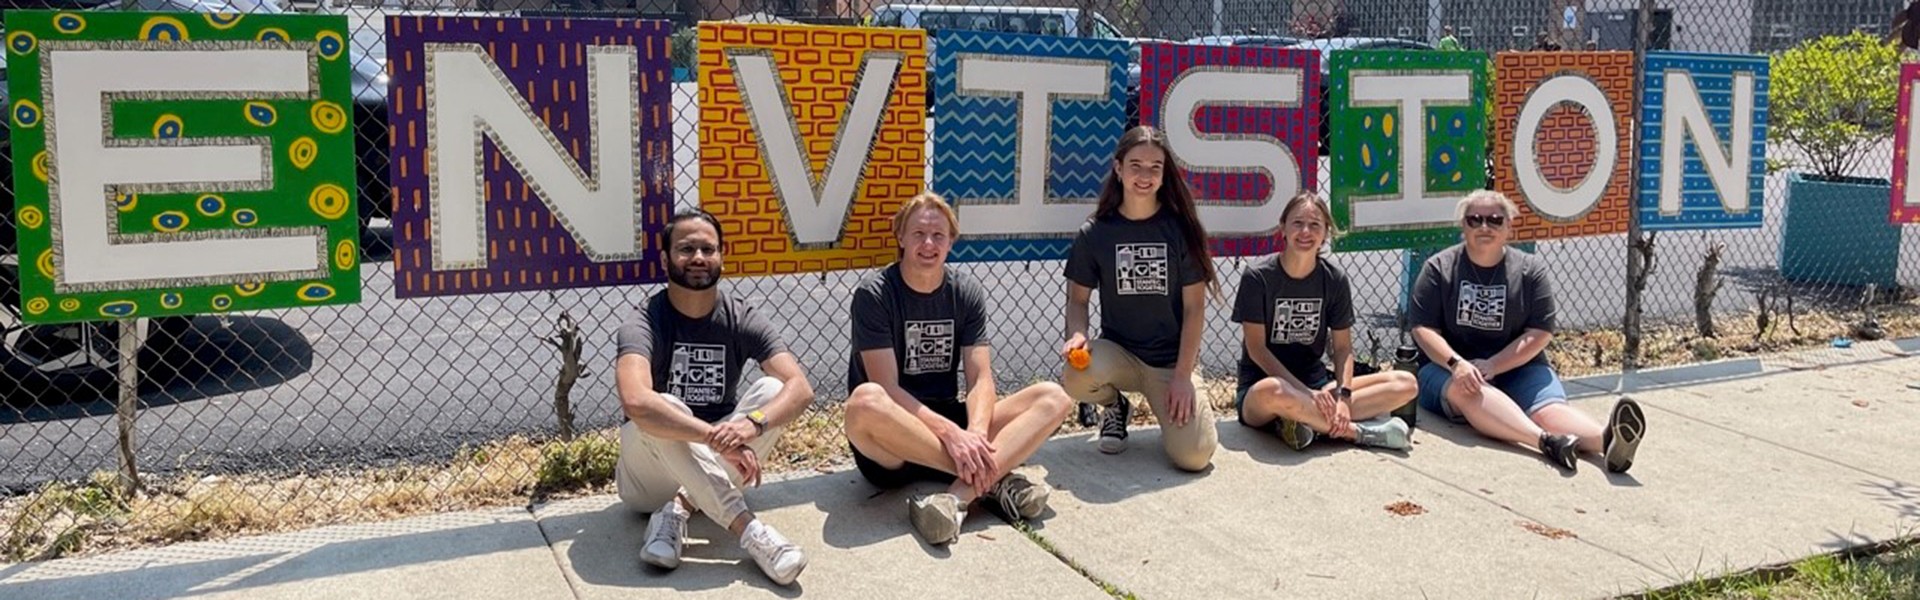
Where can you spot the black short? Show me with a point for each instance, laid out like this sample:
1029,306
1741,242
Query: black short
910,472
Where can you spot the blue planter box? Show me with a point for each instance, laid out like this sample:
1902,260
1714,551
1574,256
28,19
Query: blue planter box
1836,232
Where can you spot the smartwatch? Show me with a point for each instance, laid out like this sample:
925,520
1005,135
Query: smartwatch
1453,360
1343,393
759,420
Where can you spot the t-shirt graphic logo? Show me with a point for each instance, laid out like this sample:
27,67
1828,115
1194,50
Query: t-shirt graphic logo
929,347
698,374
1295,320
1142,269
1483,306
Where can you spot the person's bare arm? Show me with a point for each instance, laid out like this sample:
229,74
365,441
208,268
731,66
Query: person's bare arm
633,376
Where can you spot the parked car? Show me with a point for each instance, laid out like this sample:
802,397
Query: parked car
1133,69
1008,19
1326,47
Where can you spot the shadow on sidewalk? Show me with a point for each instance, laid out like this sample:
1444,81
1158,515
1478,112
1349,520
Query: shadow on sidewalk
302,558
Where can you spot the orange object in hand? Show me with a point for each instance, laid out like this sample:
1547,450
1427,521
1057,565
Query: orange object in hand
1079,358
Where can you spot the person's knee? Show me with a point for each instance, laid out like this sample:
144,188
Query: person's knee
867,402
1462,399
1053,399
1403,385
1195,458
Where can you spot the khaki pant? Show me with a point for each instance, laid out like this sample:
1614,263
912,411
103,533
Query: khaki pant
1113,370
651,470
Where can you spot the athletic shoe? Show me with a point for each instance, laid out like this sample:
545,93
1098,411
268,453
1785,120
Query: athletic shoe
1384,431
1019,497
1294,434
780,559
937,517
1561,449
1089,415
666,532
1624,429
1113,426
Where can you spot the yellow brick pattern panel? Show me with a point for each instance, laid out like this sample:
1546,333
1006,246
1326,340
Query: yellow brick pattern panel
1565,141
818,68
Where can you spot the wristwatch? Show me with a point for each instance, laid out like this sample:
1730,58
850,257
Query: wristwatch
759,421
1343,392
1453,360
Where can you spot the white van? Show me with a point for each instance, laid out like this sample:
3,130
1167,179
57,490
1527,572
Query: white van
1007,19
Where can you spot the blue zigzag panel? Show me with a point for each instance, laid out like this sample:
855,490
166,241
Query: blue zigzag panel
976,137
1700,206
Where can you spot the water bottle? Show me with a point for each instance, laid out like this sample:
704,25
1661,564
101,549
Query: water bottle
1406,358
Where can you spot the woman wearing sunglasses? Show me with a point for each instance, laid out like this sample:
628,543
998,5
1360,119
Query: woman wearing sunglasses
1483,314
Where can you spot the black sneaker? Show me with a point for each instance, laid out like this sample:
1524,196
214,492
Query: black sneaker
1561,449
1089,415
1113,426
1624,429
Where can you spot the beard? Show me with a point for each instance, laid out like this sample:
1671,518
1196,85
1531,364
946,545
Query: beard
679,276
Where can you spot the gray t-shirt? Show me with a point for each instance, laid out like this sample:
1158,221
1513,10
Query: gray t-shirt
708,353
1139,268
925,331
1296,315
1480,310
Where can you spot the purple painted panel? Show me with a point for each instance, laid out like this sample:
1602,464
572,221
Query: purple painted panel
527,246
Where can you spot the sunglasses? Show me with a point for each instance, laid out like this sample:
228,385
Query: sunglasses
1486,221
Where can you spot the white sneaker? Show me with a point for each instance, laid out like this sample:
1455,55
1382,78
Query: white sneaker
666,531
780,559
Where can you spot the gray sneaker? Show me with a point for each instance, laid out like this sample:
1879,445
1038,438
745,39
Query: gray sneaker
937,517
666,531
1294,434
1113,426
1384,431
1019,497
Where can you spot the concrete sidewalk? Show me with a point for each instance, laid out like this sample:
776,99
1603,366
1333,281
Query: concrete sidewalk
1748,463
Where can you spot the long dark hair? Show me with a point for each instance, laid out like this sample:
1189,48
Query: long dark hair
1173,194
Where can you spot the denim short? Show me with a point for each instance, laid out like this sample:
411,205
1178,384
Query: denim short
1240,396
1532,387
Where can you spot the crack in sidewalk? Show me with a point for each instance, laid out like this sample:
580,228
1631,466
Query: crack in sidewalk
1047,546
564,574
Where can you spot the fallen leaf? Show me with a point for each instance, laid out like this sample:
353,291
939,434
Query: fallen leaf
1860,403
1406,509
1552,533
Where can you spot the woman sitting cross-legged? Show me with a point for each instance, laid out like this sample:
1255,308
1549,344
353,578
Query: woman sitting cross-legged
1294,308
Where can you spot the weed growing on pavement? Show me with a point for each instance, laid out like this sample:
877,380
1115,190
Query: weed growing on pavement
1887,572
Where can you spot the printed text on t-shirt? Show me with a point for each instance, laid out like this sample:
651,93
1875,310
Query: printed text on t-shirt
1142,269
929,346
1296,320
698,374
1483,306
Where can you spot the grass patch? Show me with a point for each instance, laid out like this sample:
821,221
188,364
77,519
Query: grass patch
1576,353
1884,572
1044,544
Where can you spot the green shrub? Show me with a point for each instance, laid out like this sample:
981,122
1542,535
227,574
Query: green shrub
1833,97
584,462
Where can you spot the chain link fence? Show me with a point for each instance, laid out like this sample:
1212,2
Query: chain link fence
395,383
